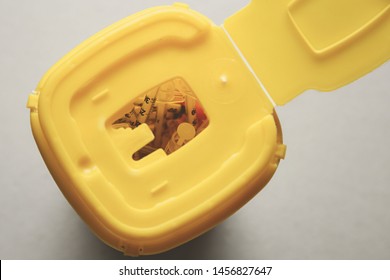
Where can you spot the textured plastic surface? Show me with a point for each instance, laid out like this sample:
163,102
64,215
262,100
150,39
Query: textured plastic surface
158,202
295,45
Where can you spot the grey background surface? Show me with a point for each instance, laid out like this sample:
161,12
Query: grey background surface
330,198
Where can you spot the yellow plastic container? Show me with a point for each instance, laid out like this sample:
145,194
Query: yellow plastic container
157,128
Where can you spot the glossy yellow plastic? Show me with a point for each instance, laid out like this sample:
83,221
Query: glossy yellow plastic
151,205
295,45
161,201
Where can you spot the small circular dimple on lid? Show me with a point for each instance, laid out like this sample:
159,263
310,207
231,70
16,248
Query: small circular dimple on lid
224,79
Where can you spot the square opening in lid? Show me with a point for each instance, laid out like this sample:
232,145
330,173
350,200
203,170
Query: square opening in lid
173,113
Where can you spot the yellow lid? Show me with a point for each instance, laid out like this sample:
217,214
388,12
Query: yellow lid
295,45
91,116
156,130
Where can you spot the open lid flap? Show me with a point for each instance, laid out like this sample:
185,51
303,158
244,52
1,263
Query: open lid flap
295,45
